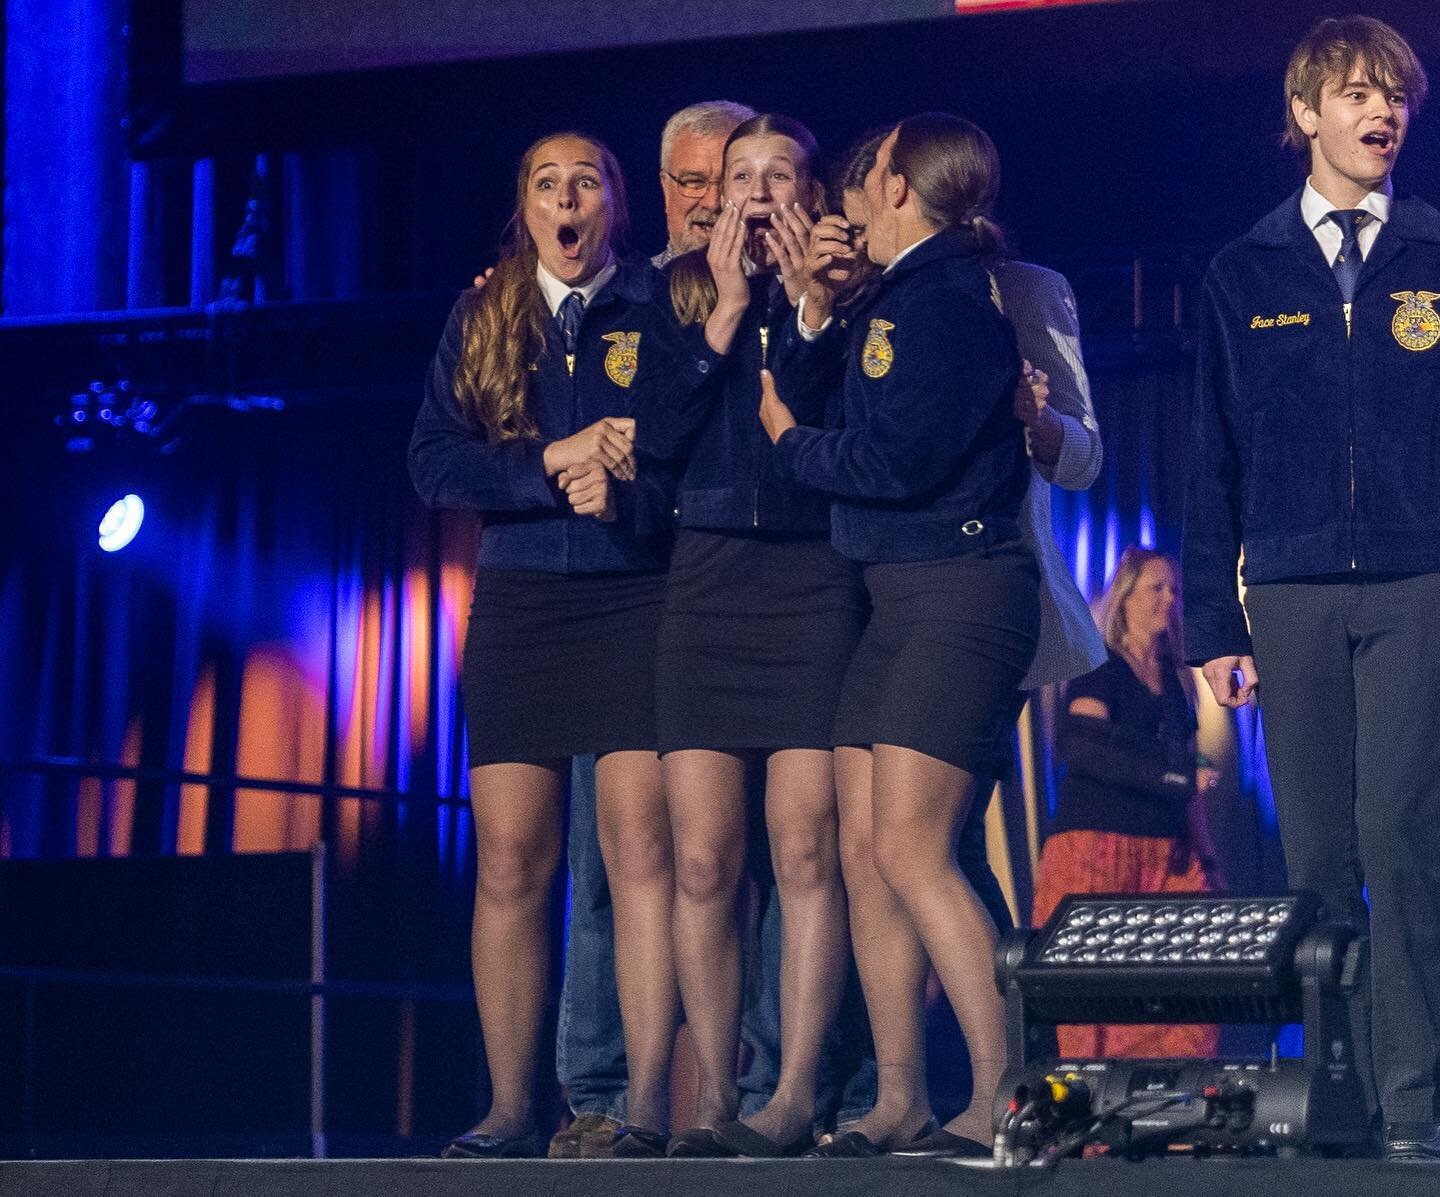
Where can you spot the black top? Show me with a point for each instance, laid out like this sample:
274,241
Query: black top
1135,772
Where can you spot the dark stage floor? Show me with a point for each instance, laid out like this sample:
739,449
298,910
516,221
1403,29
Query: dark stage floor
662,1178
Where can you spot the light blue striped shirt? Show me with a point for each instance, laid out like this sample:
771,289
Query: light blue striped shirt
1041,306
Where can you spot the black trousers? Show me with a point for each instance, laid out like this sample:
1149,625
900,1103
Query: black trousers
1350,693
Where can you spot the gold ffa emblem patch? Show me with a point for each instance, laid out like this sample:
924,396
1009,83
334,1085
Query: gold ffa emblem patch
1416,324
878,355
622,359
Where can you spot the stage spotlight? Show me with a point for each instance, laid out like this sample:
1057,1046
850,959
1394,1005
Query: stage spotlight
121,523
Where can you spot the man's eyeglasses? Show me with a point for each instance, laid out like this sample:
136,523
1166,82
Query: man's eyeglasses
691,186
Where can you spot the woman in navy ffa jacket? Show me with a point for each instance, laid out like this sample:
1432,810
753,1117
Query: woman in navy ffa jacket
761,615
927,473
526,420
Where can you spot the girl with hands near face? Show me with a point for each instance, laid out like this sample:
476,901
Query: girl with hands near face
761,616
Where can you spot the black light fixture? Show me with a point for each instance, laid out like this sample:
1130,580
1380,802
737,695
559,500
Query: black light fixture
1179,958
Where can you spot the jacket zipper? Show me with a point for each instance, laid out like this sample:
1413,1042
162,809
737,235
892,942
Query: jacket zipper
764,361
574,420
1350,414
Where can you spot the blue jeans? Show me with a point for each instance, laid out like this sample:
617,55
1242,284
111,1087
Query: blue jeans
589,1042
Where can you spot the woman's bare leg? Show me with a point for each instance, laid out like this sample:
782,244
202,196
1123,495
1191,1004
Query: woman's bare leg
635,841
705,793
802,820
919,804
518,815
891,962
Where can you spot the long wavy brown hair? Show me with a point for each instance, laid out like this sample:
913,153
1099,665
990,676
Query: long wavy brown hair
503,330
692,288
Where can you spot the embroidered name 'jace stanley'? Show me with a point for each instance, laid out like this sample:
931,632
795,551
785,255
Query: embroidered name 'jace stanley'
1280,321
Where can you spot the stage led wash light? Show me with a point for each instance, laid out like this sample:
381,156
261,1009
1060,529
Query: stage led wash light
1180,958
121,522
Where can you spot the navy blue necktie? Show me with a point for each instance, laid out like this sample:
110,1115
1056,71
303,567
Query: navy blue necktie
572,307
1347,265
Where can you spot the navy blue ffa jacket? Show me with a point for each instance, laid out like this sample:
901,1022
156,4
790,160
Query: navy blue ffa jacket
731,480
625,346
930,461
1316,435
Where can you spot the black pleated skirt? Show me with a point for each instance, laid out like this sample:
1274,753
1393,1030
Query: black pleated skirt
560,664
946,649
757,633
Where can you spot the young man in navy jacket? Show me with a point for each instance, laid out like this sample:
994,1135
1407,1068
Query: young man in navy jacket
1316,464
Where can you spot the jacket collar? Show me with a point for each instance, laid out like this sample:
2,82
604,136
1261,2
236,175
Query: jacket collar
948,243
1410,220
634,281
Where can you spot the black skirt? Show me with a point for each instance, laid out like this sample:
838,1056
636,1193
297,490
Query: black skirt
560,664
758,630
946,649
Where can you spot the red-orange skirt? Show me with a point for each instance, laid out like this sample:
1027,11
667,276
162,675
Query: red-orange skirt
1100,862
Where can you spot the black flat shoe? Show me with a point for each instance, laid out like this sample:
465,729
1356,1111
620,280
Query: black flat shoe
843,1145
941,1144
699,1143
475,1144
637,1143
746,1141
1415,1143
855,1145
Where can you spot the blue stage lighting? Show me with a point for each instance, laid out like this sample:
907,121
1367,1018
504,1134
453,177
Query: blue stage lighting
121,522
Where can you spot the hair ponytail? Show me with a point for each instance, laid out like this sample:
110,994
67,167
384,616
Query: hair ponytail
989,236
953,168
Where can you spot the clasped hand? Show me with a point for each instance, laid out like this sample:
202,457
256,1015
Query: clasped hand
582,464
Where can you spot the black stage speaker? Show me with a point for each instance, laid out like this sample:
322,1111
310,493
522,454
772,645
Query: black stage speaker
1180,958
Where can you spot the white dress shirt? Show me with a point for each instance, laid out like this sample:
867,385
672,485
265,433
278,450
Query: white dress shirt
555,291
1315,210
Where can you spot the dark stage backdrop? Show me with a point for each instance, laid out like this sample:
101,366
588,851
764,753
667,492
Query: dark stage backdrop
226,41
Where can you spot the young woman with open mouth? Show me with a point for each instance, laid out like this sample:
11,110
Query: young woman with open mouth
526,419
761,615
